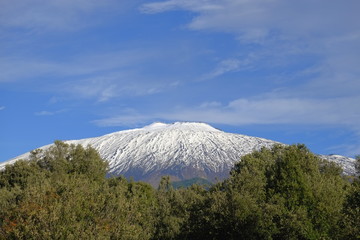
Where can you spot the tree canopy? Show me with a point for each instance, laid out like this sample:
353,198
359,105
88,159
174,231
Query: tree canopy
281,193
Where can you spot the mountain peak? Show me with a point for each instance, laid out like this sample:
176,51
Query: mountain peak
183,126
156,125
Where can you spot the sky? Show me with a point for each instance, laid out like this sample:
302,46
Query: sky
286,70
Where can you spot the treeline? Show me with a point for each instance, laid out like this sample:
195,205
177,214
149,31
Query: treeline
281,193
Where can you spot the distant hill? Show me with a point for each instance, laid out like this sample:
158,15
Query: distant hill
189,182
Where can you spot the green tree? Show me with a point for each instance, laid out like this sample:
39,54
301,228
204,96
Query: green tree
351,221
62,193
169,215
281,193
357,165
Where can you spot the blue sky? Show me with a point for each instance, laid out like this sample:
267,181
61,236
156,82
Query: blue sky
283,70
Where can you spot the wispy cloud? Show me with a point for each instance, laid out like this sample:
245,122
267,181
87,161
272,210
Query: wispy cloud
44,113
279,34
352,149
225,66
274,110
230,65
42,15
124,120
262,110
15,69
213,104
127,117
2,108
50,113
157,7
259,18
106,87
26,68
283,31
100,76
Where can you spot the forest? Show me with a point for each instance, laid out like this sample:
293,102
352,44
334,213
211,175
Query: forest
285,192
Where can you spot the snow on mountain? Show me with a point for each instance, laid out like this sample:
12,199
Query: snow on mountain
182,150
347,164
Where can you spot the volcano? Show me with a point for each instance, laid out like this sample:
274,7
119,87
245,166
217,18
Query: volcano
181,150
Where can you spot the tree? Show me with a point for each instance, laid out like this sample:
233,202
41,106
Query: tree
282,193
351,221
62,193
169,214
357,165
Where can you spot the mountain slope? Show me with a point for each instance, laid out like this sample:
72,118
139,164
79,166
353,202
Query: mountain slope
182,150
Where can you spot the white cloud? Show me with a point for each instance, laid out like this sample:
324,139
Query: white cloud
50,113
24,68
347,149
200,5
326,32
225,66
106,87
15,68
324,93
44,113
213,104
40,15
126,120
340,112
231,65
259,18
100,76
2,108
101,88
261,110
127,117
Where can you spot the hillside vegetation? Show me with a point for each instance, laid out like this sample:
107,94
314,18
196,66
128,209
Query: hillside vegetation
281,193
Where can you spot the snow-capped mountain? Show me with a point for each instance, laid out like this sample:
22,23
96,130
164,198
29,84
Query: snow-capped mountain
182,150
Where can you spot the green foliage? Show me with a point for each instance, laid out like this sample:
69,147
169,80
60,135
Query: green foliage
170,212
357,164
62,193
281,193
351,210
